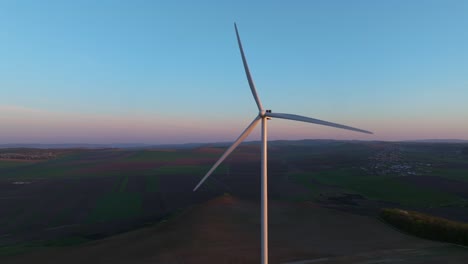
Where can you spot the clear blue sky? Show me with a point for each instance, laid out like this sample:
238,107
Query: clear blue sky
169,72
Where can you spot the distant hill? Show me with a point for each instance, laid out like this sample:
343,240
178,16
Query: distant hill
438,141
51,146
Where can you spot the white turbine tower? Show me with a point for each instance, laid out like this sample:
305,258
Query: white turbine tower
263,116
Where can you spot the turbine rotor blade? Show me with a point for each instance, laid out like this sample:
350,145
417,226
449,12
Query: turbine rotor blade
241,138
247,72
314,121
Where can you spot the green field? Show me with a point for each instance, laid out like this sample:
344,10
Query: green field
452,173
150,155
376,187
117,204
11,163
86,164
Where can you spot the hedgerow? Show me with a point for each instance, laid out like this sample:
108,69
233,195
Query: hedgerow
426,226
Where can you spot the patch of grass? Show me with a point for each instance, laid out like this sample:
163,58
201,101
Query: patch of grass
123,184
151,155
40,170
78,165
116,205
152,183
120,183
70,165
382,188
18,249
14,163
13,250
186,169
305,180
451,173
21,248
427,226
61,217
66,241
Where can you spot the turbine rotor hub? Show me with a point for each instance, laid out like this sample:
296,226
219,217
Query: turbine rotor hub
263,112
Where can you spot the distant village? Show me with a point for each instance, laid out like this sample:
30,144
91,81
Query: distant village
28,156
389,161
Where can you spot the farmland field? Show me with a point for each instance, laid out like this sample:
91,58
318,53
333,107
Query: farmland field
82,195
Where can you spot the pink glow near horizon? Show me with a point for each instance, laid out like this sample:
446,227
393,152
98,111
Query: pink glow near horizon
22,125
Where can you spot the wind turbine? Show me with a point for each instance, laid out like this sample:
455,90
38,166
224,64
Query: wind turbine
263,116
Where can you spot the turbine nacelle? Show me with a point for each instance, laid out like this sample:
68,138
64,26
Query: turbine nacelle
264,113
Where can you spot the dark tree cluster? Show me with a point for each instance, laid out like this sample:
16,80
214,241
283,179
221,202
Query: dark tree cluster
427,226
